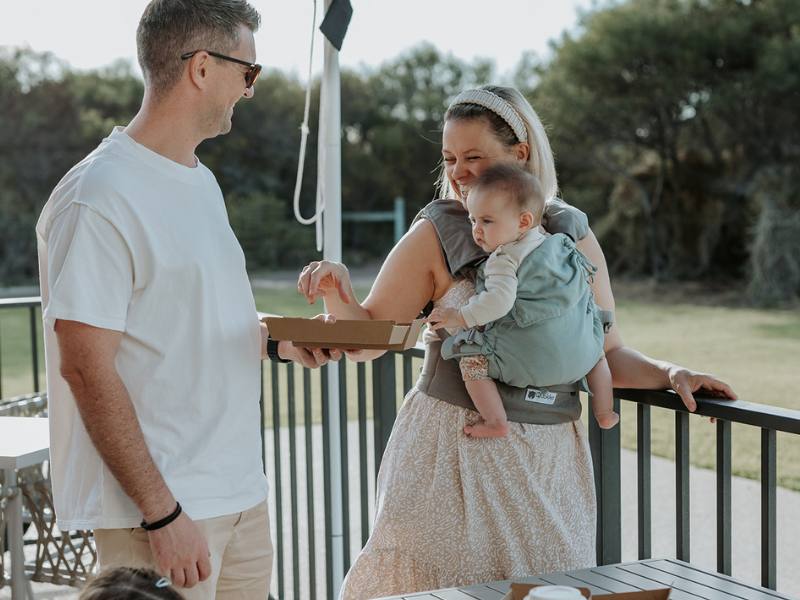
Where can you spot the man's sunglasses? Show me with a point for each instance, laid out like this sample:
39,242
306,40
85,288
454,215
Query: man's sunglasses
250,75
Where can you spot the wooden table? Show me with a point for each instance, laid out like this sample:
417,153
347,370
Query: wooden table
24,442
687,581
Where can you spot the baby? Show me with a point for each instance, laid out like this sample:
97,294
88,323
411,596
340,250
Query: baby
505,208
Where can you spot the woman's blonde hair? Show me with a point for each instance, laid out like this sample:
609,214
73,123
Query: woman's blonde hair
540,158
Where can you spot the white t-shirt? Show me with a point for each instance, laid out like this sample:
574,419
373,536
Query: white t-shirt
132,241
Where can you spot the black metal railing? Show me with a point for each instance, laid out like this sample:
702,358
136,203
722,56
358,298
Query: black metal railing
605,452
369,395
392,375
297,425
31,306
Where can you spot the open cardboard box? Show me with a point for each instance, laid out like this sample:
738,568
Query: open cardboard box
520,590
345,334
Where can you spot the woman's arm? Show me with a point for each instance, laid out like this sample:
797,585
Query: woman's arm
409,278
632,369
412,275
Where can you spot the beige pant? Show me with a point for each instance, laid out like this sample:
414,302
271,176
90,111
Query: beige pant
241,554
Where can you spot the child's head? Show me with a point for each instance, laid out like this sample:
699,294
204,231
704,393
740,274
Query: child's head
127,583
504,202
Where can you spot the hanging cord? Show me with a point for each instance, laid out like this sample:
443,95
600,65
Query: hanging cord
304,131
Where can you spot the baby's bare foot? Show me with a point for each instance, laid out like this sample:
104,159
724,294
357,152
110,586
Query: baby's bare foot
483,429
607,420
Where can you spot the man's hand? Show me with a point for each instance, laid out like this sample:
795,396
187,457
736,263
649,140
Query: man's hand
311,358
181,552
445,317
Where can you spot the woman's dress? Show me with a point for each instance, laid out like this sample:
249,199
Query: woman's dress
453,510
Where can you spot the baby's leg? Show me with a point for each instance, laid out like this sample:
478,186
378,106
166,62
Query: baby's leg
486,398
599,380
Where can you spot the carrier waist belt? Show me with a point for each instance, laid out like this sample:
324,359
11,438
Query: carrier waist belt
441,379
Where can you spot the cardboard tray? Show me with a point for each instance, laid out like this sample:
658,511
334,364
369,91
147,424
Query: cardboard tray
345,334
520,590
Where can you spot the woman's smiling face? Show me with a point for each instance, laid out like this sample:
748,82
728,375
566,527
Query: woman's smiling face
468,148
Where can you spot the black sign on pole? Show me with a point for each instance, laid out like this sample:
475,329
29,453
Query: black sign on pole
334,25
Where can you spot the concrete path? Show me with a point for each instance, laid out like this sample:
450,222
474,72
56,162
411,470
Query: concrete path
745,507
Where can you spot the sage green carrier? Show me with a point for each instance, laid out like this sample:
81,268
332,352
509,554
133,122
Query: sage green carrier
553,334
440,377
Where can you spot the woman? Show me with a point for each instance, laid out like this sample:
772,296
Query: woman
453,510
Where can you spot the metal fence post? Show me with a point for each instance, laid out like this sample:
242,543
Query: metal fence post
384,402
605,446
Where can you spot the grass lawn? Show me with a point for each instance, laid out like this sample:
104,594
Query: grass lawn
756,351
16,368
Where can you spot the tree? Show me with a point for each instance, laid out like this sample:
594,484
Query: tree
663,113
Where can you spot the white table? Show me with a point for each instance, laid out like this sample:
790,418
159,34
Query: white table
24,442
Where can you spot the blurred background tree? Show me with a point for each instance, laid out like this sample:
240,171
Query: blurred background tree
675,125
672,122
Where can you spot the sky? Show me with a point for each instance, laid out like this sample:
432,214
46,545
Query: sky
93,33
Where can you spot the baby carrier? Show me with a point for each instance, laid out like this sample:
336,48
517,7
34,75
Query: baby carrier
553,335
440,377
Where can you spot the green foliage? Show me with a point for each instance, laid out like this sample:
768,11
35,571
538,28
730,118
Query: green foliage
775,255
266,238
662,114
674,123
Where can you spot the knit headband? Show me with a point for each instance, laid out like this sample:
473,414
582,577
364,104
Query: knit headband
498,106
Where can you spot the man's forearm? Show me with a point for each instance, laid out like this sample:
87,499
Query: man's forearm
112,425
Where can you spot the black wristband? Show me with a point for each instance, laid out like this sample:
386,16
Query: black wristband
163,522
272,351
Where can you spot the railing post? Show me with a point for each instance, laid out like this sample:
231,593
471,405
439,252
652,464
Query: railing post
644,475
682,513
34,349
278,485
724,519
262,420
768,510
605,446
384,402
345,461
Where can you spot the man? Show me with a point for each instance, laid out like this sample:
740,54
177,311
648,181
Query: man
151,334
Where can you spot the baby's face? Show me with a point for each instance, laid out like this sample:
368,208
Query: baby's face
495,217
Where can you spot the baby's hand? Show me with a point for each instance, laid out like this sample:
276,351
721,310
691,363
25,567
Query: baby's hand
445,317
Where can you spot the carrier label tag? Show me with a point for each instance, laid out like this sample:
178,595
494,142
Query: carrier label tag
540,396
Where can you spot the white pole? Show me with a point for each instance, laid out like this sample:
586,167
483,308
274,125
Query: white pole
330,112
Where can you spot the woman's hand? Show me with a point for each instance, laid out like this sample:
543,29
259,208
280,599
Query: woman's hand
445,317
321,278
686,382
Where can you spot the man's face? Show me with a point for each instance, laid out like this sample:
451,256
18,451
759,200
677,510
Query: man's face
230,84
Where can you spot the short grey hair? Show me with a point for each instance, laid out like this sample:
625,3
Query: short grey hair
168,28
